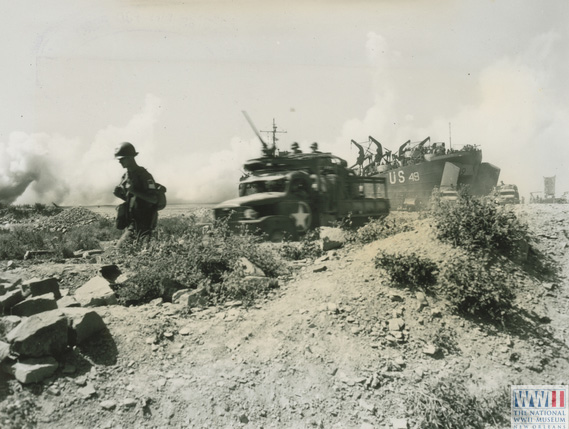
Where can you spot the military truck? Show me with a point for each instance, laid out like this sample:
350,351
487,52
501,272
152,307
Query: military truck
507,194
286,195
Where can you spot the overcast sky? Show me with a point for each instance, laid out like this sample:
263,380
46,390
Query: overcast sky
172,77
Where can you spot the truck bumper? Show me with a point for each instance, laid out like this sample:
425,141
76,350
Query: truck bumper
276,228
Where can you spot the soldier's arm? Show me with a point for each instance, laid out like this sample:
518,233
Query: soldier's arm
144,187
151,197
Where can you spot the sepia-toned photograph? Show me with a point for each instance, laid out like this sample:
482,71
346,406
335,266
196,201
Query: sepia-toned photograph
284,214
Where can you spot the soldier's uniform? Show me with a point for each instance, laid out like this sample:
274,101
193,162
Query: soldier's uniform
138,189
142,214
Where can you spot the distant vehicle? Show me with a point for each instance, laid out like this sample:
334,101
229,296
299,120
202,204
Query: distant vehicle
416,168
287,194
548,194
448,194
507,194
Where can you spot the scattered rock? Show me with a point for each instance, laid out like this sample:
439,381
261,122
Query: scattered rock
110,272
44,334
421,300
67,301
395,297
396,324
178,294
7,323
195,298
34,305
430,350
4,350
129,403
39,287
399,423
34,370
249,268
331,238
96,292
87,392
108,405
169,287
9,299
83,323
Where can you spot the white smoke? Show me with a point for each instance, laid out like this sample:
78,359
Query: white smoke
42,168
514,113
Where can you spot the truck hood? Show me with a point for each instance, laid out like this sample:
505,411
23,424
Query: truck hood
255,199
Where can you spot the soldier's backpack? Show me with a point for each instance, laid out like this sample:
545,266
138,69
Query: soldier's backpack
161,192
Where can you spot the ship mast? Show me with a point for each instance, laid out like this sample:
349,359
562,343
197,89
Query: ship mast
449,137
274,134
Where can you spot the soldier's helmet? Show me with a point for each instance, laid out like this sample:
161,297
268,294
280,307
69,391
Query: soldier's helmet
125,149
314,146
294,145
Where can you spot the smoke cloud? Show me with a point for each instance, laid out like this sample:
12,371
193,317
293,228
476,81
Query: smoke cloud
514,108
42,168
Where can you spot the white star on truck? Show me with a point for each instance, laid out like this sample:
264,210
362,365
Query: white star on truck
302,216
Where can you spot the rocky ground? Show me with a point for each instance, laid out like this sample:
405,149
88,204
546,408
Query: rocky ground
334,346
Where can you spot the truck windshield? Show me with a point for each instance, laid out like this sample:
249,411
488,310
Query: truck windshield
260,186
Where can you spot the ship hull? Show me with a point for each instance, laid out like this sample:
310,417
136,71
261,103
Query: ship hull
411,186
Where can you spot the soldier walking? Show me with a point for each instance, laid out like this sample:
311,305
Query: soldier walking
138,189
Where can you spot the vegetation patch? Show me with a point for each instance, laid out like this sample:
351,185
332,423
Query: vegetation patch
472,284
478,224
378,229
192,257
409,270
21,212
15,242
475,286
307,248
448,403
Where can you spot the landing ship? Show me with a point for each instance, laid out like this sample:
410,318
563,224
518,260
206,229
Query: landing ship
417,168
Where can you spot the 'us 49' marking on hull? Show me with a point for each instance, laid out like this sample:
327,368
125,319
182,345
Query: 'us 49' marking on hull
399,177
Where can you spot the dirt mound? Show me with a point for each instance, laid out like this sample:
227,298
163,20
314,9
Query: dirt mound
68,218
335,347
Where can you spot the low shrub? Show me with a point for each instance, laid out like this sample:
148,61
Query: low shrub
478,223
449,403
15,242
407,270
193,257
474,286
445,340
236,287
378,229
81,238
307,247
26,211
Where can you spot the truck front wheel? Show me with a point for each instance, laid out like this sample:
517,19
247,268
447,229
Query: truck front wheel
276,236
